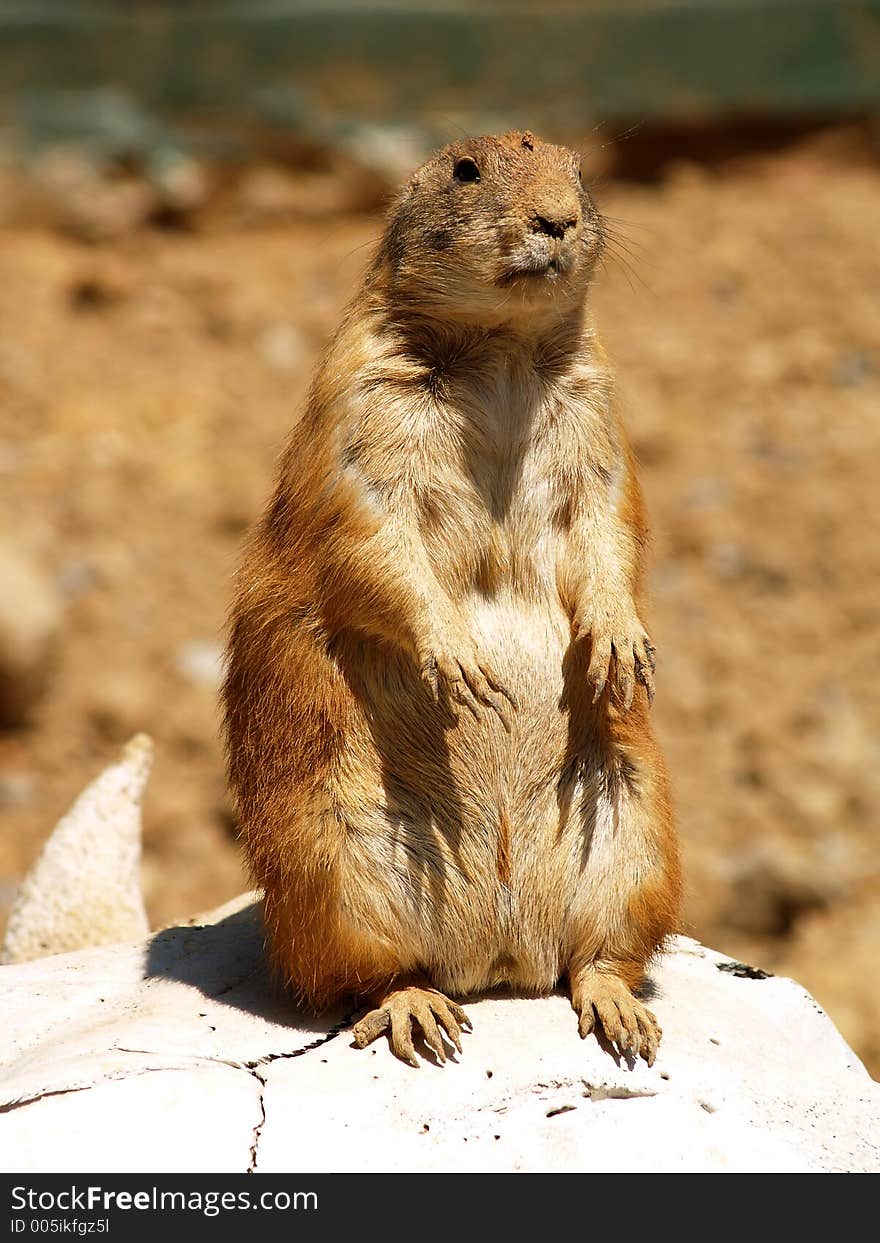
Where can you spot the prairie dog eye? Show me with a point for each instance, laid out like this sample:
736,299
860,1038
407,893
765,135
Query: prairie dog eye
466,170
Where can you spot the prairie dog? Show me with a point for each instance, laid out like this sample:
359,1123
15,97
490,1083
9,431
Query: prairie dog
438,677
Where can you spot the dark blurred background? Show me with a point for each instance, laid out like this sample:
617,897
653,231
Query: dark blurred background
188,195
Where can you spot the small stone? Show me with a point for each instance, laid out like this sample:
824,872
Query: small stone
17,789
201,663
118,705
76,577
30,623
392,151
85,202
854,367
771,888
283,347
182,185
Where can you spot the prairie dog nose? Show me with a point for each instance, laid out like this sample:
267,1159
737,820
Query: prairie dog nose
555,221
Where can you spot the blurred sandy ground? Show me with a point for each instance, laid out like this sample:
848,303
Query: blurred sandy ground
155,345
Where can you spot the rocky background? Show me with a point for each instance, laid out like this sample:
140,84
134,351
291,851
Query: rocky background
157,335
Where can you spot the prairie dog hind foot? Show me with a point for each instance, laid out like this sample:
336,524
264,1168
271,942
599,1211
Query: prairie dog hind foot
598,996
398,1008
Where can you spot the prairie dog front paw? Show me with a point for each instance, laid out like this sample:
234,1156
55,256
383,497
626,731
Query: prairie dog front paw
620,650
450,663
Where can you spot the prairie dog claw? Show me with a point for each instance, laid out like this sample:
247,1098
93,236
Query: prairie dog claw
436,1015
598,996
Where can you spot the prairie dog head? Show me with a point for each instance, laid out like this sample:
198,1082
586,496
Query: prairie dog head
493,230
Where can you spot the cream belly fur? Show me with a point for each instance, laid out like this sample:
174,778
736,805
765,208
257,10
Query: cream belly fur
475,887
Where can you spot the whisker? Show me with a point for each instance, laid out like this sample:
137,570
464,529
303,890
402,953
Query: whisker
613,258
635,251
629,223
627,133
450,124
371,242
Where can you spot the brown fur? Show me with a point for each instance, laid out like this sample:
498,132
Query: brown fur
437,690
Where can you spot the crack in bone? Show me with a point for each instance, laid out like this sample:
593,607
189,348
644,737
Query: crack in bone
254,1069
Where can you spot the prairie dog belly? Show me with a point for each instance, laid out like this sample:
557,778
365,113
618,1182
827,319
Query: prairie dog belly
523,847
469,836
526,643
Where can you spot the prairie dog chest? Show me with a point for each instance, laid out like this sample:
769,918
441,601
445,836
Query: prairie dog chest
489,459
497,505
